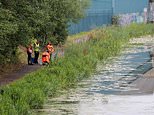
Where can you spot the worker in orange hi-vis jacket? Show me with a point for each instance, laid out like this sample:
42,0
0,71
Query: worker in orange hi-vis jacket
50,49
45,58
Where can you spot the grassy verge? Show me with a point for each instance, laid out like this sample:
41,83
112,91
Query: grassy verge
78,63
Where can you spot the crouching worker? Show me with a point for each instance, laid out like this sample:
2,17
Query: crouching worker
45,58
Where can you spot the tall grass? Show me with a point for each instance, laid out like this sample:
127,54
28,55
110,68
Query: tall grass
80,60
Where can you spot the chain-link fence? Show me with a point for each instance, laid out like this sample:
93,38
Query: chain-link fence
101,12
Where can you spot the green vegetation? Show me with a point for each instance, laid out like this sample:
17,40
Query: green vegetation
21,20
78,63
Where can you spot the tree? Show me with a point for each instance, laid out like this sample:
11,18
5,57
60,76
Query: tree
20,20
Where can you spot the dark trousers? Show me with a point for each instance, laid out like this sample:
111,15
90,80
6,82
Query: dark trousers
36,57
29,59
51,57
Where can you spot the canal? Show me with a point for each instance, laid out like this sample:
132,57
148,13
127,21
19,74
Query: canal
110,91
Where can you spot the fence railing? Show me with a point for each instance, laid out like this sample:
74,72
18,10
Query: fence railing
92,20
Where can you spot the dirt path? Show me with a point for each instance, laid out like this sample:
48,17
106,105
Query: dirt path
6,79
10,77
25,69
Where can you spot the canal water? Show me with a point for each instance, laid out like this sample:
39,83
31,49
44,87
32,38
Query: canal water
108,91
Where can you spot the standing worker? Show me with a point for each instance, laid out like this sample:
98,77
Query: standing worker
36,51
50,49
29,53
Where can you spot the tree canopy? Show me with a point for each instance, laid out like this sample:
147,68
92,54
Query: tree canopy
21,20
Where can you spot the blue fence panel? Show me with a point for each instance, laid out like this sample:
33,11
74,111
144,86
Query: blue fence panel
99,14
129,6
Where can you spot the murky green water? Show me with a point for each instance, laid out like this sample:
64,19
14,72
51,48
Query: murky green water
101,94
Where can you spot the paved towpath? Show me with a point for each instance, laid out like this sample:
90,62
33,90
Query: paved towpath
145,84
149,74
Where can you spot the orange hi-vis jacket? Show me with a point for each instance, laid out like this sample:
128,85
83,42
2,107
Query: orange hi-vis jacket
45,57
50,48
